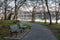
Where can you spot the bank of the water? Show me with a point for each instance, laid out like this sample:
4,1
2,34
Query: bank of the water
41,20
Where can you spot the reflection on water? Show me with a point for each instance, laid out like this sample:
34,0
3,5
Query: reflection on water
53,21
40,20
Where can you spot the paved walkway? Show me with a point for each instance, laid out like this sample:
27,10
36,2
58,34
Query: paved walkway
39,32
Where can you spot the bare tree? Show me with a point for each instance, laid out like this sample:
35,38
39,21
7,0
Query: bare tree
34,10
44,10
10,14
58,9
17,6
56,13
48,11
5,1
33,14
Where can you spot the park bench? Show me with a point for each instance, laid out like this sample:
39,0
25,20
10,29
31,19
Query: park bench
22,26
14,29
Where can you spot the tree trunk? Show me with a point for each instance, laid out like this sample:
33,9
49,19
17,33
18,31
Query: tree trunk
56,18
5,9
33,15
44,10
58,11
48,12
15,16
9,16
55,11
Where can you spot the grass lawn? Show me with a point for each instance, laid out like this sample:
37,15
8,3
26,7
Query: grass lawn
5,24
55,28
27,26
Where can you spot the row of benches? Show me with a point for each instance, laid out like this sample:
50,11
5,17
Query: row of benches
15,29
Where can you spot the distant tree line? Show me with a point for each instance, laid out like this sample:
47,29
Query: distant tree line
9,11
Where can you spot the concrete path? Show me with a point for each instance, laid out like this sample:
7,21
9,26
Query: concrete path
39,32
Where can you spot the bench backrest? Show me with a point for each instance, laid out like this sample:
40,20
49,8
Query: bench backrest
22,25
14,28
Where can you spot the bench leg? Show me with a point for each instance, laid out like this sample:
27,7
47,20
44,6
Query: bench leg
11,34
16,34
21,31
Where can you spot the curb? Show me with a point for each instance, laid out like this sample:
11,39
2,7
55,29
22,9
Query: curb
23,35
